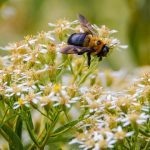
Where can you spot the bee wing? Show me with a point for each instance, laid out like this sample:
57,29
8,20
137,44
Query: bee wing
71,49
86,25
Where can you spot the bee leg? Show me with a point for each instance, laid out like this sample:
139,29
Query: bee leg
100,58
83,50
89,59
81,53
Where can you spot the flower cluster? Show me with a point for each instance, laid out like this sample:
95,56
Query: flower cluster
114,116
107,108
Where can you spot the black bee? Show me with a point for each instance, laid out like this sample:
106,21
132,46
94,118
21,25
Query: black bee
87,42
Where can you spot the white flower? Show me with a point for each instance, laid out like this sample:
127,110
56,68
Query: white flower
32,41
60,97
120,134
21,102
52,24
14,89
114,42
83,89
123,46
113,31
28,86
49,35
135,118
24,46
63,25
103,143
93,105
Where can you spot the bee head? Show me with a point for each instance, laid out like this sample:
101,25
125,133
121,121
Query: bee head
105,50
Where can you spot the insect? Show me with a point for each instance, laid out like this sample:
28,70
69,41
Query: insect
87,42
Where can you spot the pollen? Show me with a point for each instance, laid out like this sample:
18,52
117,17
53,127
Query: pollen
103,144
20,102
16,89
80,136
57,88
124,104
45,100
90,143
133,117
63,101
112,121
94,105
120,135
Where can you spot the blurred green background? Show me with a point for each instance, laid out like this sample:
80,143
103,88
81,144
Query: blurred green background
131,18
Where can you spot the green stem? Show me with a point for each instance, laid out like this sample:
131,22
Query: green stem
61,68
32,135
66,115
33,145
128,141
4,135
144,133
63,131
126,147
134,147
4,117
147,146
91,69
11,117
49,130
43,114
70,65
78,71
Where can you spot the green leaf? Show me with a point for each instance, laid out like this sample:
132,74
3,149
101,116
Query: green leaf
30,127
65,127
30,123
145,133
62,139
32,134
18,128
14,140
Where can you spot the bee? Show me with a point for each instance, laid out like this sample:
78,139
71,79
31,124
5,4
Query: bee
87,42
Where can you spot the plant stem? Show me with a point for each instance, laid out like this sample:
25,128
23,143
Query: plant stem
78,71
4,135
71,68
49,131
147,146
4,117
33,145
144,133
32,135
91,69
43,114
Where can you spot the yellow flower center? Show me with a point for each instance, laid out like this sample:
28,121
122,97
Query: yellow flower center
90,143
120,135
103,144
133,117
57,87
20,101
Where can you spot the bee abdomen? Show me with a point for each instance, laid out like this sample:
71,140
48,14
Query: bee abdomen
77,39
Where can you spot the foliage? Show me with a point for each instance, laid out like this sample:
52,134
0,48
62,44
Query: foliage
23,17
44,94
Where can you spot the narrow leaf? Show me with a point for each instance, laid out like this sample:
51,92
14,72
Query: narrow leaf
66,126
14,140
30,123
18,127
